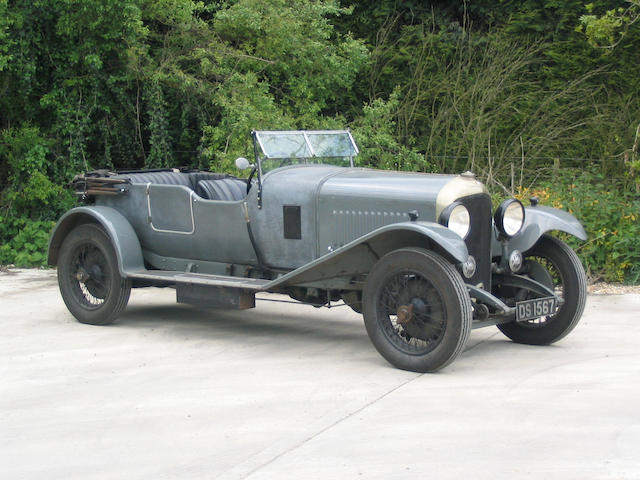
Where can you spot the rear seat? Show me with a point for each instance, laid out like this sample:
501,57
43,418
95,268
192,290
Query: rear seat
162,178
208,185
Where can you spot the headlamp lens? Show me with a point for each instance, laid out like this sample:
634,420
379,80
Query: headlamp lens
509,217
513,218
459,220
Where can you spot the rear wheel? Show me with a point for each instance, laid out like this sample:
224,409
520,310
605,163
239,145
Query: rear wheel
552,263
416,310
88,276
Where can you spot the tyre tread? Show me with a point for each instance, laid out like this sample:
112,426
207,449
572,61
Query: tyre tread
463,294
123,293
535,337
460,292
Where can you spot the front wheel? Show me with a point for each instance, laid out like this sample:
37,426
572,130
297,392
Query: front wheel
88,276
552,263
416,310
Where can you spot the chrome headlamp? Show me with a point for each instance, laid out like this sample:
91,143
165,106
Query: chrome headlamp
456,217
509,217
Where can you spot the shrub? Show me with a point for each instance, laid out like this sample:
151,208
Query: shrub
27,243
610,214
31,198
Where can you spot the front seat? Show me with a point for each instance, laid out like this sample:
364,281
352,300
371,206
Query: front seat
228,189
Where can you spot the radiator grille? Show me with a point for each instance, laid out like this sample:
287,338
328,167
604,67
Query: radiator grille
479,238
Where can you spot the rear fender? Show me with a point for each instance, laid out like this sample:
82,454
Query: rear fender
123,238
358,256
538,221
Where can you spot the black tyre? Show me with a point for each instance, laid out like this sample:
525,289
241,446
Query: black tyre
416,310
88,276
553,263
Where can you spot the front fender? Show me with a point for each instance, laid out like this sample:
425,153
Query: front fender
358,256
540,220
123,237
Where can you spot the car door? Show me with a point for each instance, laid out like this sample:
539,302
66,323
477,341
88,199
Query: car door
186,226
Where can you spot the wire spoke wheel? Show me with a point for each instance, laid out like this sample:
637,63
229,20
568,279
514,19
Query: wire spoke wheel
552,263
88,276
416,310
411,313
542,269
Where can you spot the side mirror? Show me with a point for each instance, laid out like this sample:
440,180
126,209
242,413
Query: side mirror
242,163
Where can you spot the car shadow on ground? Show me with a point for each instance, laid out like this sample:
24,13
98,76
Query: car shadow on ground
305,326
255,323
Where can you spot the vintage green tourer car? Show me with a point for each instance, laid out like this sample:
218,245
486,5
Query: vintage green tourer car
424,257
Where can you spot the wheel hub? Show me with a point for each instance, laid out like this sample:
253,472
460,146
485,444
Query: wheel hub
81,275
90,273
412,311
405,314
95,272
413,317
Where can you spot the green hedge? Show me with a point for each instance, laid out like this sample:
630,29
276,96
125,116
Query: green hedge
610,212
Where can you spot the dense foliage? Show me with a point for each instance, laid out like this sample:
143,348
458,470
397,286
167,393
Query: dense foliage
507,89
611,215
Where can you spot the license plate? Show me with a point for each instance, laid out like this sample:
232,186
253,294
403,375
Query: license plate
535,308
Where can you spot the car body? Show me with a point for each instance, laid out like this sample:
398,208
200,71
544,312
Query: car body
308,223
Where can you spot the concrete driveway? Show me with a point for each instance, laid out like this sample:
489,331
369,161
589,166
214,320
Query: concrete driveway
290,391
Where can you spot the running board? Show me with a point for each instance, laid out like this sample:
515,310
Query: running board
187,278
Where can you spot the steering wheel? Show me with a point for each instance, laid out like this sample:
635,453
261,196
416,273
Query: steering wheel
251,174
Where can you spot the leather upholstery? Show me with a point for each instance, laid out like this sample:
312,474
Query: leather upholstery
163,178
229,189
208,185
195,177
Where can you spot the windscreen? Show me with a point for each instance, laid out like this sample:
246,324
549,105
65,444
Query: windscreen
306,144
